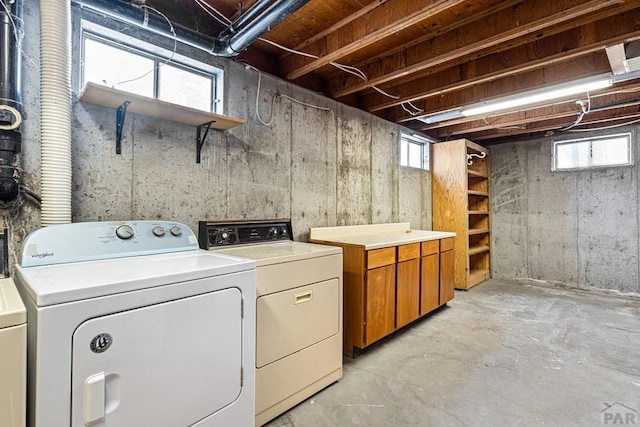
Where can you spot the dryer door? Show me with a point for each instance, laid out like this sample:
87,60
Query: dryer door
170,364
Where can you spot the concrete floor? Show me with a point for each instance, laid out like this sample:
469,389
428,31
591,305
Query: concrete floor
504,353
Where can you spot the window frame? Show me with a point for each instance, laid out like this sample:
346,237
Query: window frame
425,150
159,55
554,154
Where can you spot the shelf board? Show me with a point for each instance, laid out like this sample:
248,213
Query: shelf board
109,97
475,250
477,276
478,212
476,174
474,231
477,193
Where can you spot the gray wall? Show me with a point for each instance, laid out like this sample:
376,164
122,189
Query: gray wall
580,228
316,167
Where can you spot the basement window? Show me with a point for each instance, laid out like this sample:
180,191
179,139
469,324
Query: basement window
594,152
123,62
414,151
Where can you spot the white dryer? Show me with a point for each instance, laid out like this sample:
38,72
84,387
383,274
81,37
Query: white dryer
131,324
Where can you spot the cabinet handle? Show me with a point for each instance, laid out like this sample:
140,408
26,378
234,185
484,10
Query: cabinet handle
303,297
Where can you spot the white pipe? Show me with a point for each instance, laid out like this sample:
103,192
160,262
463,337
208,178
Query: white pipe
55,104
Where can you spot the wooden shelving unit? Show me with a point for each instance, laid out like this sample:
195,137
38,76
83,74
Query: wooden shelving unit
124,101
461,204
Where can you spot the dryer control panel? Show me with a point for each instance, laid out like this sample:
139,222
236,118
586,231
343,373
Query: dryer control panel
216,234
86,241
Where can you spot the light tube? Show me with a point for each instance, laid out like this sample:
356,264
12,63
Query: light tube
538,96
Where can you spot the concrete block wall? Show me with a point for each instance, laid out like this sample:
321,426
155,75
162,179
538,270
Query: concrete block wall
317,167
580,228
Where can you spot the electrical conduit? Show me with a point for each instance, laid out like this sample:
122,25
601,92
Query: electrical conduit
55,104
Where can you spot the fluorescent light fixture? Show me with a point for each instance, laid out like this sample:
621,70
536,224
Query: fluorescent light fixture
538,95
441,117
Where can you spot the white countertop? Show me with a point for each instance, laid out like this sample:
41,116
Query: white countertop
375,236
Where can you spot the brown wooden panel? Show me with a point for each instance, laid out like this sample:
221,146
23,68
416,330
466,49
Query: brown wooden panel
449,185
447,284
353,284
380,257
447,244
407,252
380,303
408,292
429,283
430,247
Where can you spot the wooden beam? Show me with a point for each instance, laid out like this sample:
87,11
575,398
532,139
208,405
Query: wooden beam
566,111
560,72
335,27
501,31
543,52
388,19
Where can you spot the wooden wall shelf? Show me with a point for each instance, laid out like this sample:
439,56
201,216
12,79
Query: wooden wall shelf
461,204
126,101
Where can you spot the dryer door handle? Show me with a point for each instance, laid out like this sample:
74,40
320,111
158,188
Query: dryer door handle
94,398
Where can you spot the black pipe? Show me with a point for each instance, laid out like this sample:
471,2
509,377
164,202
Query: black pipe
10,140
6,59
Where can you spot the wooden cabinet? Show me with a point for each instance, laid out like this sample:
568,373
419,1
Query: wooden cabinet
388,288
408,284
460,179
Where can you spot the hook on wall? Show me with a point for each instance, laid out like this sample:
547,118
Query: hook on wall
470,157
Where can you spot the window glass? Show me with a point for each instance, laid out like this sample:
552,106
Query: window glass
414,151
114,67
184,87
120,60
584,153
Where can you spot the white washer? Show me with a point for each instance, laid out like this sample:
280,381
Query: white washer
130,324
13,356
298,309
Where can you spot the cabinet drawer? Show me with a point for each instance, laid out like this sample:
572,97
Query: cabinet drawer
447,244
379,257
431,247
407,252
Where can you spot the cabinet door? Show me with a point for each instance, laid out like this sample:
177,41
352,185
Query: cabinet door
429,283
447,272
380,303
408,292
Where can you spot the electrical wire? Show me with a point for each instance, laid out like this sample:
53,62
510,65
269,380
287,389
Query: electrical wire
273,100
346,68
169,59
585,109
631,122
18,35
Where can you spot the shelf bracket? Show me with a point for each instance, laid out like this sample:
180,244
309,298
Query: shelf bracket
121,113
200,138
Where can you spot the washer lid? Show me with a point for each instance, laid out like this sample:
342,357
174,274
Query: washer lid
12,311
61,283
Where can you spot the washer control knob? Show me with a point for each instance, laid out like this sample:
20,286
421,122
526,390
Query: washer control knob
284,231
224,235
124,232
272,232
176,231
158,231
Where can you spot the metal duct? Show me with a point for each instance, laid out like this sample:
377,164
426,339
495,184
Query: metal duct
263,16
55,105
233,41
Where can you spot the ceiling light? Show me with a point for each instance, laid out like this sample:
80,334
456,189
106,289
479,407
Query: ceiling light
537,96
